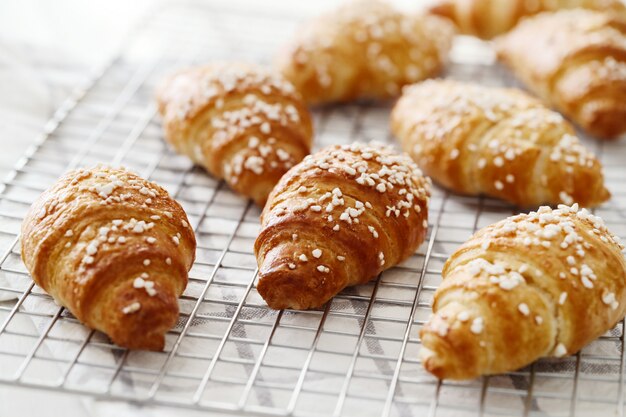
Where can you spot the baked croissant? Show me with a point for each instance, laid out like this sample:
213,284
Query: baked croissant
240,122
364,49
576,63
489,18
495,141
114,249
339,218
534,285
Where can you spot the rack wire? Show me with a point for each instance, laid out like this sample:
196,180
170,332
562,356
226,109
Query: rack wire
357,356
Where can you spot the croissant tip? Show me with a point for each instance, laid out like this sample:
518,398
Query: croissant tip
143,337
431,362
604,117
282,288
145,327
151,341
444,358
444,9
280,292
599,197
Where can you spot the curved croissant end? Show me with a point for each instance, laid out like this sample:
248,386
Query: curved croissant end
114,249
534,285
496,141
339,218
365,49
240,122
580,68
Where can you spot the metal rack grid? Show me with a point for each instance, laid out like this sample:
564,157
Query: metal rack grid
357,356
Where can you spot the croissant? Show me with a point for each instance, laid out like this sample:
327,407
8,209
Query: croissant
534,285
365,49
576,64
114,249
240,122
496,141
489,18
339,218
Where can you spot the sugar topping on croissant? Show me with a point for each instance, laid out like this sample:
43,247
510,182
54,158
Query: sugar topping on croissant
364,49
497,141
389,173
576,65
189,90
243,123
546,227
114,249
557,276
339,218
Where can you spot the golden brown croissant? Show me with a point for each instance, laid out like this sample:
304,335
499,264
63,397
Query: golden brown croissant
489,18
496,141
576,63
365,49
339,218
534,285
114,249
240,122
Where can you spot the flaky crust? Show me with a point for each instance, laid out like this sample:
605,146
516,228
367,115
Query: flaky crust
240,122
534,285
489,18
495,141
339,218
114,249
577,64
364,49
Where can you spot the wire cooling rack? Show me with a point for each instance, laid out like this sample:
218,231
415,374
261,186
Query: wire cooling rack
357,356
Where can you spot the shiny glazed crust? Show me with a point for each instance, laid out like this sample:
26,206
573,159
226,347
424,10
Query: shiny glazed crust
577,64
114,249
364,50
242,123
534,285
496,141
339,218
